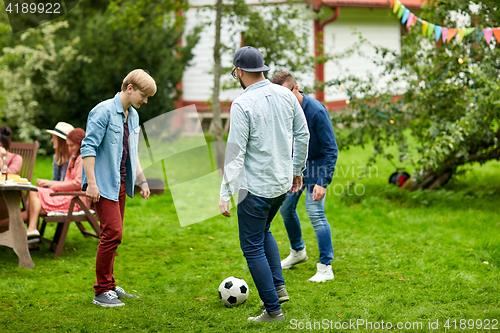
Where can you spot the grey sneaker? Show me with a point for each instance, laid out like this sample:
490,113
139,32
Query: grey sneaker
282,295
107,299
268,317
122,294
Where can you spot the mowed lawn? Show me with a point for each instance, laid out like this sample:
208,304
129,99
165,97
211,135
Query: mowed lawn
411,258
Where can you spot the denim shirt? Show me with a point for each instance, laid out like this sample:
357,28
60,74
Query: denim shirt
104,140
265,120
59,171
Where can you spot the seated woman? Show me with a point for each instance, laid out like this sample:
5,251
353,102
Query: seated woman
41,203
61,156
14,161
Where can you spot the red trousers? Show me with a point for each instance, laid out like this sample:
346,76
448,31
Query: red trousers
111,216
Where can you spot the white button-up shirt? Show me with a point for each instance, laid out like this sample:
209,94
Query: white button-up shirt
266,122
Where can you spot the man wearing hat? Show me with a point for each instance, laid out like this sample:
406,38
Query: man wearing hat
61,158
265,120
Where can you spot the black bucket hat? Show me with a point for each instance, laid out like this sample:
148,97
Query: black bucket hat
249,59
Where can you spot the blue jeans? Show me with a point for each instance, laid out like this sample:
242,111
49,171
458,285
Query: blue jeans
259,246
316,212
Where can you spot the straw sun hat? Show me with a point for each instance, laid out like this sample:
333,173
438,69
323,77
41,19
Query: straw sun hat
61,130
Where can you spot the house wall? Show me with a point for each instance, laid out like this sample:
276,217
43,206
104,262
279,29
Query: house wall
377,25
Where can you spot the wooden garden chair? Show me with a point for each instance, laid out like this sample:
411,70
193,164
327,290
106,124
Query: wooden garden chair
64,220
28,153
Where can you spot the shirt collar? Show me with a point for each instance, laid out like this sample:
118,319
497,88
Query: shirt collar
118,103
305,100
119,106
257,85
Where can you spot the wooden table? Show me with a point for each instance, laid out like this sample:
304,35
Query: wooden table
16,237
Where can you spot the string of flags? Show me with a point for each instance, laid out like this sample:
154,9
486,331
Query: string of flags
440,33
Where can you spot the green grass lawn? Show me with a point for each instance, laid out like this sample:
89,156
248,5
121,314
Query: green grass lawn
409,257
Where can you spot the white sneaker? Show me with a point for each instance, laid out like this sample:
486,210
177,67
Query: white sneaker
294,258
323,274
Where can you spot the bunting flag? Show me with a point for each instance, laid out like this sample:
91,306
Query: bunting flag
444,34
496,32
468,31
441,33
464,32
409,23
414,21
406,14
438,30
396,7
451,34
401,10
430,30
425,26
461,34
488,33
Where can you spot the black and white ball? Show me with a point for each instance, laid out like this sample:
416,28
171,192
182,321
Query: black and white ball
233,291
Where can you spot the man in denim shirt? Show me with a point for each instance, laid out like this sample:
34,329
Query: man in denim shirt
110,163
321,160
265,120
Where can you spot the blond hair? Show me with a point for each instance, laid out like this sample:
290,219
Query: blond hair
140,79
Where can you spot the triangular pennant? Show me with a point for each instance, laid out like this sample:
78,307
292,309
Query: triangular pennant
468,31
395,9
401,10
410,20
451,33
444,34
406,14
430,30
392,3
414,21
488,33
438,29
461,34
479,34
496,32
425,26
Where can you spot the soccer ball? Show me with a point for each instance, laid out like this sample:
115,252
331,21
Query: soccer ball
233,291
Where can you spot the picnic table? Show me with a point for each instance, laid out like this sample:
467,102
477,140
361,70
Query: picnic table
16,237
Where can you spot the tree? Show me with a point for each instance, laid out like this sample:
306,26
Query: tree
30,73
447,115
107,40
125,36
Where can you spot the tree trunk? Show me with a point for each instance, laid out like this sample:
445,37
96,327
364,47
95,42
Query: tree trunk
215,98
433,179
430,181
